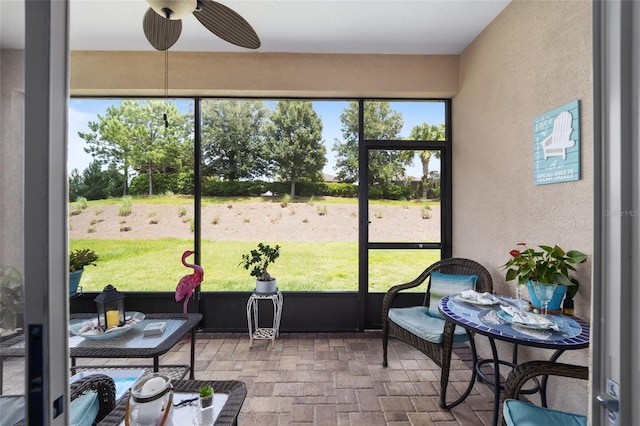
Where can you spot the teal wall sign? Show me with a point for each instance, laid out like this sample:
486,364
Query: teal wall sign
556,145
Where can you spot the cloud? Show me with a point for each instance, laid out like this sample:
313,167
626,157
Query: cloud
78,121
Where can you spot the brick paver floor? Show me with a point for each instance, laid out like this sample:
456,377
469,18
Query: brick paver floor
324,379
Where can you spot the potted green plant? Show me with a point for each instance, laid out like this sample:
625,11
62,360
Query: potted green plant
257,262
546,266
78,259
205,392
11,299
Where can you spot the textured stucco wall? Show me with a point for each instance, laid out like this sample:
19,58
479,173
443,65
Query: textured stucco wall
11,157
263,74
534,57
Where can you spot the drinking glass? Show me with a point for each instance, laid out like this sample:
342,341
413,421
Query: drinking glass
544,293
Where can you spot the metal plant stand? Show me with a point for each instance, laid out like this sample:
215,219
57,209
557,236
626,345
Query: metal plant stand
264,333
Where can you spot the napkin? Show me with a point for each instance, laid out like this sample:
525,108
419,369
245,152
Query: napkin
519,317
483,298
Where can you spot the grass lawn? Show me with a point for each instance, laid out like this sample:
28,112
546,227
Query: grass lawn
154,265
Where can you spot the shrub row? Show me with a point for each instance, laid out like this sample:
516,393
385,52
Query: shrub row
258,187
182,183
390,192
178,183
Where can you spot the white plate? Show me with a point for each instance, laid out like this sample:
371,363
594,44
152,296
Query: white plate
548,324
123,379
75,327
479,302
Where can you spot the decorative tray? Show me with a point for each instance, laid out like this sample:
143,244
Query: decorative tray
88,328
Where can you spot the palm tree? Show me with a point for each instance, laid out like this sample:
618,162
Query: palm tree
426,132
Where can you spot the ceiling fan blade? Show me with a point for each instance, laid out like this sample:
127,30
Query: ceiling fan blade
162,33
226,24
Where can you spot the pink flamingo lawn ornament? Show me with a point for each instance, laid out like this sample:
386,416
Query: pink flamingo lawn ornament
188,283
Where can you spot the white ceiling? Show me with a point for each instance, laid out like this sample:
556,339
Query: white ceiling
311,26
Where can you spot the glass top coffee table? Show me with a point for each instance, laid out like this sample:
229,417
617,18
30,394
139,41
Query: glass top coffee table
133,344
234,392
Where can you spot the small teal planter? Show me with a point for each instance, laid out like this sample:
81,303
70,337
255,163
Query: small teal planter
554,304
74,282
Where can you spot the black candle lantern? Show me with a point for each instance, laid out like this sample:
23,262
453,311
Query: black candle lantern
110,306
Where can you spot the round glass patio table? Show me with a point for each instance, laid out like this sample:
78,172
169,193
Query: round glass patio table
573,333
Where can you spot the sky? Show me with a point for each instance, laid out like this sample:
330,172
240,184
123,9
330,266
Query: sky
82,111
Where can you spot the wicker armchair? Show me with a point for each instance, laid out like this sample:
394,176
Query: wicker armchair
99,383
440,352
520,375
105,388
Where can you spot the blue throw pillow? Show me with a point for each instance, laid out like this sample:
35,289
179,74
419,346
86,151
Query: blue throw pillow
446,284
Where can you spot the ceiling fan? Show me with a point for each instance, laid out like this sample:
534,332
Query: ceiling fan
162,23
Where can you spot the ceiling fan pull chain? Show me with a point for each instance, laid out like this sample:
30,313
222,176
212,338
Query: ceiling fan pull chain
166,87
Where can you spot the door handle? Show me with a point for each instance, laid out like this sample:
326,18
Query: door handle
610,401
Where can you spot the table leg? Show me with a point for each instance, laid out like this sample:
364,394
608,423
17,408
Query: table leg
496,382
497,385
249,310
193,354
275,316
256,320
278,317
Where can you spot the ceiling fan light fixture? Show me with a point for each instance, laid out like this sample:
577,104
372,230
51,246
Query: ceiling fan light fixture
178,8
162,24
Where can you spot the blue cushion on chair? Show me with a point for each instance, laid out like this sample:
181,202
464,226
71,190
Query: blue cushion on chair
84,409
417,320
11,409
446,284
518,413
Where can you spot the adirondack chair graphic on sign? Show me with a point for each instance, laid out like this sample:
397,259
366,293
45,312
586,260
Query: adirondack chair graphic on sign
556,144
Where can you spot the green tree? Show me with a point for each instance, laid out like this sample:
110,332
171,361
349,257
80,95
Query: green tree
156,143
109,141
426,132
115,181
76,187
294,140
232,143
380,123
95,183
133,136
